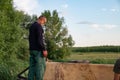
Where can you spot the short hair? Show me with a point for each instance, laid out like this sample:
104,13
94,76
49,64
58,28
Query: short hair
42,17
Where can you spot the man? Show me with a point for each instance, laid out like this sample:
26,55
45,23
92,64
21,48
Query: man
116,70
38,50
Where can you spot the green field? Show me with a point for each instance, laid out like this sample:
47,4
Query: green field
95,57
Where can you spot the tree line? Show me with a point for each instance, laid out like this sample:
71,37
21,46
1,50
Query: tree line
97,49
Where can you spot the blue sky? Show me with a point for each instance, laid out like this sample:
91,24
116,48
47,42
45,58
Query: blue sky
90,22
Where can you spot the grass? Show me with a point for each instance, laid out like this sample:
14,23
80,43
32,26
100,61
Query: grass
95,57
10,69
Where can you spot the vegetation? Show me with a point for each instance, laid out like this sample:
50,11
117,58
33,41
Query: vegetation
97,49
96,54
95,57
58,40
14,52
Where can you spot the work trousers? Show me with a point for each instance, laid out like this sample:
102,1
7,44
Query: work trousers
37,65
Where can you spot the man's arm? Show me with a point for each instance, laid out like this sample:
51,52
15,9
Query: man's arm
41,41
40,38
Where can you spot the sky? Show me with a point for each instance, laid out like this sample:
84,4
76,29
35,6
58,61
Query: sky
90,22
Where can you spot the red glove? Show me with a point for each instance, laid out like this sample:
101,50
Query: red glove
45,53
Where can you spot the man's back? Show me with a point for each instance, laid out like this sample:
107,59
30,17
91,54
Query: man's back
36,37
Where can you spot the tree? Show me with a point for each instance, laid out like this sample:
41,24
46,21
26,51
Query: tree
11,33
11,40
57,38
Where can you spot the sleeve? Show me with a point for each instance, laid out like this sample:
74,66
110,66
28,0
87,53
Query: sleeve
116,67
40,38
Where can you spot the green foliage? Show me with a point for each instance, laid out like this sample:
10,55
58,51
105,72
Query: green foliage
11,34
12,42
10,69
5,73
95,57
57,38
103,61
14,27
93,61
97,49
14,33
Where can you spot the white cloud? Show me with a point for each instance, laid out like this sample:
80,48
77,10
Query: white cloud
109,26
103,26
63,11
85,22
28,6
104,9
65,6
95,26
99,26
113,10
110,10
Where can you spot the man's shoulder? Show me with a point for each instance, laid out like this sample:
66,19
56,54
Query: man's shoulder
34,24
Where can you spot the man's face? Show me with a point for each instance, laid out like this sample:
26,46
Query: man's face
43,21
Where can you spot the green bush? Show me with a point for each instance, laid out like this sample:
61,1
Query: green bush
10,69
5,73
97,49
103,61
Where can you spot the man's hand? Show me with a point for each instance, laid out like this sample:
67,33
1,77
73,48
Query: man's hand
45,53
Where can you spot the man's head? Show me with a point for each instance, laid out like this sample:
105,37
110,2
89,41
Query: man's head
42,20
